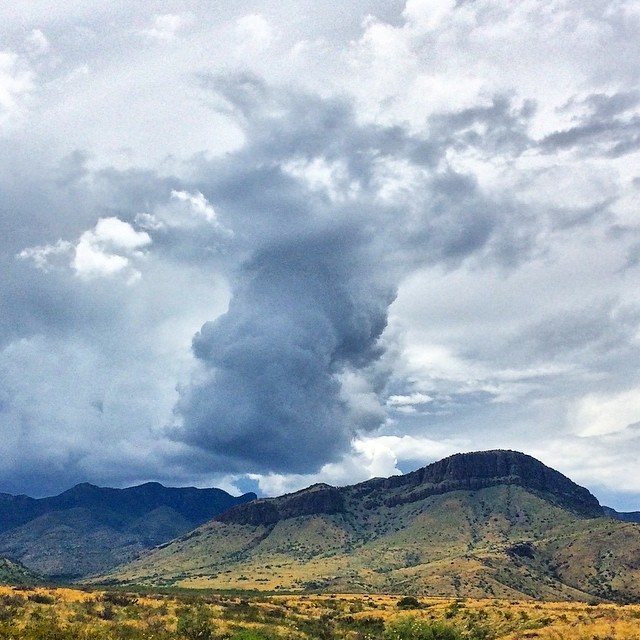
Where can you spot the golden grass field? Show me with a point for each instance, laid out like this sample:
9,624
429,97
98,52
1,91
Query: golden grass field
61,614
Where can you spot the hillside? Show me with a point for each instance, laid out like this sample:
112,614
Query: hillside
89,529
497,523
16,574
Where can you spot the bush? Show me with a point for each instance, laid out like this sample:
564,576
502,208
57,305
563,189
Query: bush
408,602
412,629
10,606
321,628
368,627
119,598
195,623
253,634
41,598
107,613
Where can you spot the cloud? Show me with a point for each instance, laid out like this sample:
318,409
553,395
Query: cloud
428,13
104,251
600,414
17,81
37,43
346,211
352,208
166,26
254,33
184,210
43,257
610,126
295,369
271,397
407,403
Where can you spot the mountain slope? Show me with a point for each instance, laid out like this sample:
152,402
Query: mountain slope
89,529
17,574
495,523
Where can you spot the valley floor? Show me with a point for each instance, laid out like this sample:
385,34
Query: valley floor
61,614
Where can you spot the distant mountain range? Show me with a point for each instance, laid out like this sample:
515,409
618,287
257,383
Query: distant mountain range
487,524
629,516
87,529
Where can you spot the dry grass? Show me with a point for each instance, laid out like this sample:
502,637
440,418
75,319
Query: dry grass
25,613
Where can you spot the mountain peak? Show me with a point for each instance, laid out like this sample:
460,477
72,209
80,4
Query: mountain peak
480,469
459,472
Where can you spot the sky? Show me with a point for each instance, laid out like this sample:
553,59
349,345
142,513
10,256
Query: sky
258,245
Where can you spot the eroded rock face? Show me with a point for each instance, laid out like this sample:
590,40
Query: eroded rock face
473,471
317,499
463,471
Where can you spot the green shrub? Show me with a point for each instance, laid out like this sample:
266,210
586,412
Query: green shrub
194,623
409,602
107,612
454,609
10,606
412,629
368,627
41,598
321,628
45,629
253,634
119,598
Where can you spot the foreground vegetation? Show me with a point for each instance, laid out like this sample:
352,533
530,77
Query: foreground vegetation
65,614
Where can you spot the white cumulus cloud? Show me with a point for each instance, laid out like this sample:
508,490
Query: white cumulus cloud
103,251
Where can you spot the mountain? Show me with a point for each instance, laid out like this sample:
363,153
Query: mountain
628,516
487,524
89,529
15,573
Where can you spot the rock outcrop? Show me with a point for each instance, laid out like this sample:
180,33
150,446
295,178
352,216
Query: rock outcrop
315,500
463,471
473,471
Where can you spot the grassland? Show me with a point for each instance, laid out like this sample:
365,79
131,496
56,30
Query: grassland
64,614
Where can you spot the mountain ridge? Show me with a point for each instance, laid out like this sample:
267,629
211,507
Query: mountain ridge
19,509
88,529
482,524
460,471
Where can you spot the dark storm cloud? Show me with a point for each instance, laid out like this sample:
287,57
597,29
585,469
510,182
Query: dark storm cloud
301,314
310,300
